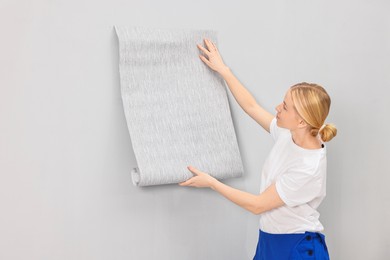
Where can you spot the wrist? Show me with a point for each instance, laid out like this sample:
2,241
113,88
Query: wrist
213,183
224,71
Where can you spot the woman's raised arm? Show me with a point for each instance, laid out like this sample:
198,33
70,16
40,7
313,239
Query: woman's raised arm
245,99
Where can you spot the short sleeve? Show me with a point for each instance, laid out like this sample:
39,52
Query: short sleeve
274,129
299,187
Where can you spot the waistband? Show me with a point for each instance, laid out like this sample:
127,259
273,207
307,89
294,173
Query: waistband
293,235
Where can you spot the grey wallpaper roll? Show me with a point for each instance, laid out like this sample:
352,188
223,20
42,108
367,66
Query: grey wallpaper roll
176,108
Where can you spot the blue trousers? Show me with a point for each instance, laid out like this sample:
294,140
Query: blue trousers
308,245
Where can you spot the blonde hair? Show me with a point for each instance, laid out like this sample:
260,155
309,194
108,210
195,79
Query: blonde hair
312,103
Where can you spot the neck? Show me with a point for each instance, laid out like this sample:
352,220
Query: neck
305,140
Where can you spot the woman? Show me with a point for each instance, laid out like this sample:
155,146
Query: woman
293,181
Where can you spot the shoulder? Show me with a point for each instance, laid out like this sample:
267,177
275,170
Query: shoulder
311,164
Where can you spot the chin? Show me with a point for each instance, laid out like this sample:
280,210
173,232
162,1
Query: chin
280,124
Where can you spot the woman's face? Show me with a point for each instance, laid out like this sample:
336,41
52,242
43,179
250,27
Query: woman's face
287,116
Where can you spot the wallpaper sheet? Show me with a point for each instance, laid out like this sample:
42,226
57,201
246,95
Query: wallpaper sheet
176,107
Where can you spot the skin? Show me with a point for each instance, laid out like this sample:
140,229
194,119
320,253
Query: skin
287,117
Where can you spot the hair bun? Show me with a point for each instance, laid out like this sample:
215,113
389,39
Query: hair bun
327,132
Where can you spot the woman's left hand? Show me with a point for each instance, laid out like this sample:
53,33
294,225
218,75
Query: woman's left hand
200,179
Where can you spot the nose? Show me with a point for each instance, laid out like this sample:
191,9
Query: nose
278,108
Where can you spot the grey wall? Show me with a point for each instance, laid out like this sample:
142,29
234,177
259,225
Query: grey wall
65,152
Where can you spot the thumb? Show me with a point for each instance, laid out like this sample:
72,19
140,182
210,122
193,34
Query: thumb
193,170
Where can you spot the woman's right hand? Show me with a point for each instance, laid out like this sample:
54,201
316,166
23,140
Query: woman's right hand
214,60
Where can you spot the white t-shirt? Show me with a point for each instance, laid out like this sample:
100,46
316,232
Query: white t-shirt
300,176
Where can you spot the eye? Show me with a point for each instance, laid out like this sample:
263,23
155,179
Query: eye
284,107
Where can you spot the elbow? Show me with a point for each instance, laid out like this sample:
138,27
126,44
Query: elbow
257,209
257,212
256,206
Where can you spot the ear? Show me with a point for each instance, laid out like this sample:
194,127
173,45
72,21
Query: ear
302,123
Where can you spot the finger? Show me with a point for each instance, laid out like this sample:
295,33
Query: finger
210,45
193,170
203,49
215,47
205,60
185,183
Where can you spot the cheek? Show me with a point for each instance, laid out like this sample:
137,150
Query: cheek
288,116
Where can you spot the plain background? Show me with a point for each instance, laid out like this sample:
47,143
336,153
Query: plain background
65,151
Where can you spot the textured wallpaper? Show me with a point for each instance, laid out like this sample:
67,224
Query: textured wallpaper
176,108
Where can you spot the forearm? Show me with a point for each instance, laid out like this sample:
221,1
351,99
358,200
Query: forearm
243,199
257,204
240,93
